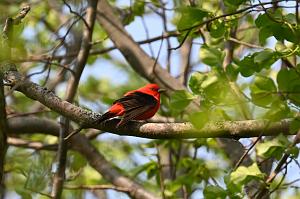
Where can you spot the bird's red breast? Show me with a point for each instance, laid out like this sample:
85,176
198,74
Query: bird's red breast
140,104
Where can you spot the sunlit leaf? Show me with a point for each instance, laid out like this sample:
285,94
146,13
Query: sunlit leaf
272,148
243,175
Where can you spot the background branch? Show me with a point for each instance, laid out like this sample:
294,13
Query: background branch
80,143
70,94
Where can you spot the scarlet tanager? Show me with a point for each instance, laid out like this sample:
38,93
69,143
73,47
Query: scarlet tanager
140,104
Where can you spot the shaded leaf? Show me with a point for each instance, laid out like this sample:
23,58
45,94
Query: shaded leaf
211,56
214,192
180,99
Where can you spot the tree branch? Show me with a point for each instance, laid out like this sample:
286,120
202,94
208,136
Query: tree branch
79,143
96,187
17,142
226,129
5,57
71,92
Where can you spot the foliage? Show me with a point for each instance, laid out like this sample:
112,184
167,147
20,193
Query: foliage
243,65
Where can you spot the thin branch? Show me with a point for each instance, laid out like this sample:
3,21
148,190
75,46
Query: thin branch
297,12
264,190
161,175
34,58
97,187
17,142
245,43
72,86
147,36
247,152
59,176
77,14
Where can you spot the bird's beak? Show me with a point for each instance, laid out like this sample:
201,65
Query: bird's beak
161,90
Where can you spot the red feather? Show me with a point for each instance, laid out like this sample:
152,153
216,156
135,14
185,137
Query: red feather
140,104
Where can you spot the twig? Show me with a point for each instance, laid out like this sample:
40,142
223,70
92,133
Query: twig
245,43
33,58
183,40
264,190
96,187
147,36
17,142
77,14
161,175
247,152
156,59
59,176
73,133
164,21
297,12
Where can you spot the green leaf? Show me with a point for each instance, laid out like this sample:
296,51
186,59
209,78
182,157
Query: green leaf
211,56
294,125
273,148
263,91
138,8
232,71
247,66
234,2
214,192
141,168
278,25
190,16
217,28
26,194
198,119
279,110
264,83
195,82
243,175
288,81
264,57
180,99
293,151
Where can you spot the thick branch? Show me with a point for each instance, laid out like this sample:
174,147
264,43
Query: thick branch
226,129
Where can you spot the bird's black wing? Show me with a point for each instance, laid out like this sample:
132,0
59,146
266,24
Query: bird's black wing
136,104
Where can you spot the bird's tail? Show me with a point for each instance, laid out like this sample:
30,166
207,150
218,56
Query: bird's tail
106,116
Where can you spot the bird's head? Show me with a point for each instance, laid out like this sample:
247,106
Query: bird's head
152,89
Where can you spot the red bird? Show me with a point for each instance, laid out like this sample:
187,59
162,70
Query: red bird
140,104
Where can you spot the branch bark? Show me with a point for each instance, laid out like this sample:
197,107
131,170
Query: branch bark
225,129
